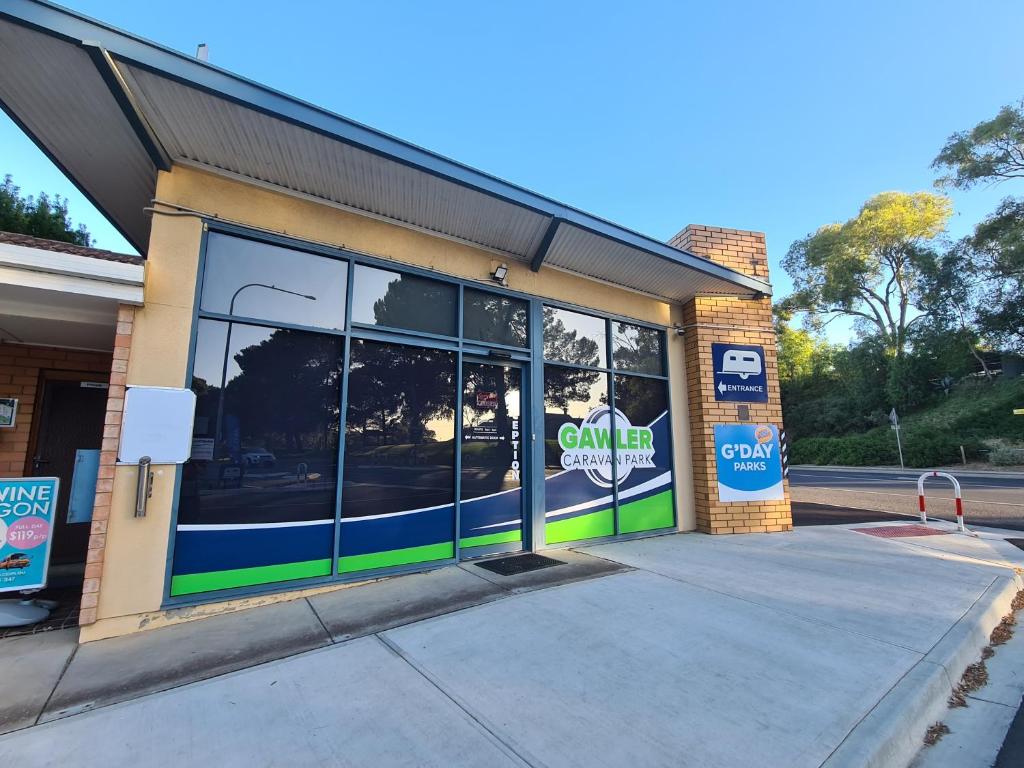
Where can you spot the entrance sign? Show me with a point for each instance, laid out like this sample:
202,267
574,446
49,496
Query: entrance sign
747,458
588,446
739,373
28,508
157,422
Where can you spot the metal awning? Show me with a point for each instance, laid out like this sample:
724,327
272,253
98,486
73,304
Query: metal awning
111,109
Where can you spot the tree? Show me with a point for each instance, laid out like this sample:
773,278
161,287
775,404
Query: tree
40,217
992,151
991,260
869,267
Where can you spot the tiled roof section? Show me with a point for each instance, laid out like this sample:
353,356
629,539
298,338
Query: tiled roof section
28,241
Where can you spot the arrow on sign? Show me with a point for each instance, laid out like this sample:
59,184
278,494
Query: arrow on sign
721,387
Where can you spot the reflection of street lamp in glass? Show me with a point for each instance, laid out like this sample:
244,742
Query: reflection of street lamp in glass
227,344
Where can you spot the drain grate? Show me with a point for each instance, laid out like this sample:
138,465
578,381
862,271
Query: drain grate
898,531
516,564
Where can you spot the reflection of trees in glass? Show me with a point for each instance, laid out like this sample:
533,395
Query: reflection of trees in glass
395,391
288,386
636,349
417,303
565,386
561,343
499,319
641,400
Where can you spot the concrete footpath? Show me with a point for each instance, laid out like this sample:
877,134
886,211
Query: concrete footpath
824,646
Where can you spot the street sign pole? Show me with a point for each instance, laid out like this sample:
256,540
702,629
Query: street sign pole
895,421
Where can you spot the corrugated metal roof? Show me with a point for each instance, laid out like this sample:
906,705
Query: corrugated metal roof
201,127
588,254
53,90
111,117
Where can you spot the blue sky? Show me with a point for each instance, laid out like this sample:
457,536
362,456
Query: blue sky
777,117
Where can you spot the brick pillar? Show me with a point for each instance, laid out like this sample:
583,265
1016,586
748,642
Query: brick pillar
724,320
108,460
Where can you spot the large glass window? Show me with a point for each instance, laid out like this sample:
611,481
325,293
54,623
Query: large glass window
577,455
571,337
492,455
635,348
396,300
643,454
489,317
267,282
399,476
258,494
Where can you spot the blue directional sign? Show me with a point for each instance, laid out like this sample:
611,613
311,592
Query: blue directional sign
739,373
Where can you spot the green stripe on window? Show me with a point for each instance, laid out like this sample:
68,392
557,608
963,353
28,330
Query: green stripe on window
191,583
392,557
491,538
647,514
590,526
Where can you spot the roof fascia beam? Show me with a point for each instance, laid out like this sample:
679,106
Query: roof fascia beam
129,106
545,244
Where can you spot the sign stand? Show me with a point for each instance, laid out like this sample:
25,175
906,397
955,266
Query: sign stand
21,613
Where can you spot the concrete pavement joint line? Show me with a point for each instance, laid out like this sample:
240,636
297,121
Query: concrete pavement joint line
989,701
54,689
330,637
917,665
952,555
478,719
330,642
945,554
775,609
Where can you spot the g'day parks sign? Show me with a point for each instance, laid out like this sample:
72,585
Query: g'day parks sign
739,373
747,458
27,510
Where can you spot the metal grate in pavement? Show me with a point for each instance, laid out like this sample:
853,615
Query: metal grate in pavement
899,531
511,566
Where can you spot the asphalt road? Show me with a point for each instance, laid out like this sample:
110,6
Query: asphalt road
984,486
1000,498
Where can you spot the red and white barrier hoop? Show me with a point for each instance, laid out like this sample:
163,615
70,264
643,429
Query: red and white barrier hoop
956,489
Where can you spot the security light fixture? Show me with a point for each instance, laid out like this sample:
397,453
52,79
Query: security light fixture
500,274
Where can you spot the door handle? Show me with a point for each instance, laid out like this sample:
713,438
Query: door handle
37,463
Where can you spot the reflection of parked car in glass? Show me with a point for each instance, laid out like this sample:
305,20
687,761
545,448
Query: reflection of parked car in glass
17,560
230,476
258,457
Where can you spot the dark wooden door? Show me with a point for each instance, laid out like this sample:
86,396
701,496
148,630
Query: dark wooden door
71,417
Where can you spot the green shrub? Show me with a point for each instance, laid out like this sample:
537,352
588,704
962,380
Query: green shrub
1006,456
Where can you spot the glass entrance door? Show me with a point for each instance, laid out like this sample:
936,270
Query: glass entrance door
493,468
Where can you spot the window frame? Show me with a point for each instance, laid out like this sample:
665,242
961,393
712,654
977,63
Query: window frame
530,356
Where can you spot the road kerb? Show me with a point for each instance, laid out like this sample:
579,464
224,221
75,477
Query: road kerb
891,734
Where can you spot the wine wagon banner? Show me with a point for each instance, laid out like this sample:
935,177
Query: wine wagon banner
28,507
749,467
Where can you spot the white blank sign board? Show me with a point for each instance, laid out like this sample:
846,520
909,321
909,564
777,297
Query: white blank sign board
157,422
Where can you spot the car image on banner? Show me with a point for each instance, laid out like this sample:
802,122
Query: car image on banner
747,458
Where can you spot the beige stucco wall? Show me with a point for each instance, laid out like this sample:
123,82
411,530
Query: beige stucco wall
136,549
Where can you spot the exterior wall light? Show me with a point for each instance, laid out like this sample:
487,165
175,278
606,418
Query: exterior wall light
500,274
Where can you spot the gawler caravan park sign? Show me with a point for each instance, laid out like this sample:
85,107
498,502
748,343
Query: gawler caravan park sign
749,467
589,446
